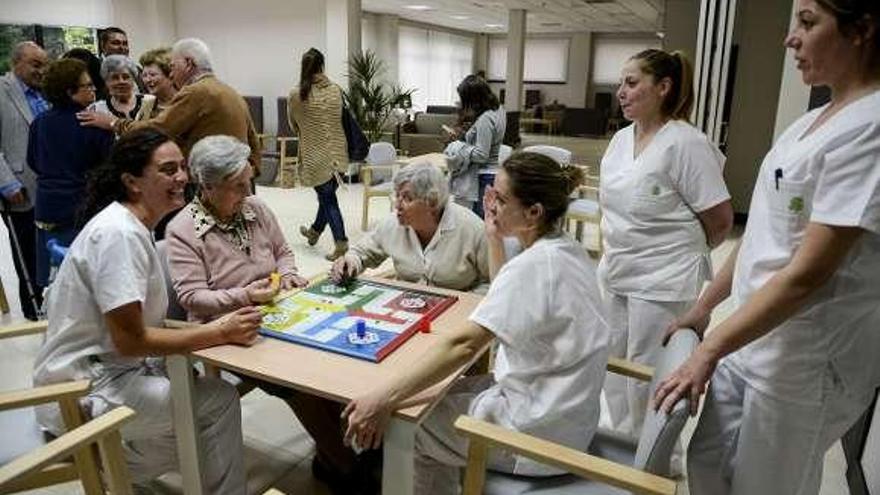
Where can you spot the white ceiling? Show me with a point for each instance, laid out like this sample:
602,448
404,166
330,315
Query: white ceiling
543,16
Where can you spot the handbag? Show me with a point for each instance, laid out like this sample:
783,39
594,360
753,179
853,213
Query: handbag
357,143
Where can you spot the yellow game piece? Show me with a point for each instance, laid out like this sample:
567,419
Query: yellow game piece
275,280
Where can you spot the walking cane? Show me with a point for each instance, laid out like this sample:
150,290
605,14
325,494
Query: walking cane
16,251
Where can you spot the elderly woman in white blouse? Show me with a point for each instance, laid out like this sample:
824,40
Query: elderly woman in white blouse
431,240
120,73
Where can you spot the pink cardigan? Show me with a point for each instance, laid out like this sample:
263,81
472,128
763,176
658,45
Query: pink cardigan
210,274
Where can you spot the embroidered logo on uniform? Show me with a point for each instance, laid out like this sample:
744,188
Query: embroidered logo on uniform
796,205
655,191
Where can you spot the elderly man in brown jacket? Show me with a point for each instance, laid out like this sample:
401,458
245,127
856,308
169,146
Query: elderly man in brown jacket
204,106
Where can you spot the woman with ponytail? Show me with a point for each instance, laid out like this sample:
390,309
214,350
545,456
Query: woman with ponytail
544,309
106,310
665,206
315,113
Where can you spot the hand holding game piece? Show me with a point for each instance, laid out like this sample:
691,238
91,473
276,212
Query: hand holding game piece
343,271
239,326
275,281
260,291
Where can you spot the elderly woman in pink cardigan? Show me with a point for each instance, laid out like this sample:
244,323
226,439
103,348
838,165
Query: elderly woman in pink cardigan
224,245
222,249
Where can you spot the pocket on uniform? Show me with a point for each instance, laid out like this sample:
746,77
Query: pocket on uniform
789,204
655,202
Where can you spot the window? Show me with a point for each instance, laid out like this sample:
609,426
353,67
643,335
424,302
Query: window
610,54
546,60
433,63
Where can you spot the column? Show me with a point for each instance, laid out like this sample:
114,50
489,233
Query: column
481,53
516,48
387,26
343,37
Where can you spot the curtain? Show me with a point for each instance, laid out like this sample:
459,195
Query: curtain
433,63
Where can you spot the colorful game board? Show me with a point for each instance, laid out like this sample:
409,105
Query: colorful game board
362,319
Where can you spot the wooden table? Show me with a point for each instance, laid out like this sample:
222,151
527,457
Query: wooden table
325,374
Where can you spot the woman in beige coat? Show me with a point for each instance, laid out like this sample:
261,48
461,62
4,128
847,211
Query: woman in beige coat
315,110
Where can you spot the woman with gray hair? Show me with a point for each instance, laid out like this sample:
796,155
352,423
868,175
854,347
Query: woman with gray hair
431,241
120,74
225,244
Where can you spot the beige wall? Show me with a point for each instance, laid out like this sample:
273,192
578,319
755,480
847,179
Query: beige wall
759,33
681,22
573,92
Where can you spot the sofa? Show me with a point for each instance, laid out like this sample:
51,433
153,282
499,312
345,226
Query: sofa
425,133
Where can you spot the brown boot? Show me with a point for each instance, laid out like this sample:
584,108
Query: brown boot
341,249
310,234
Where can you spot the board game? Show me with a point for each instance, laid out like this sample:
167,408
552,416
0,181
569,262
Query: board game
362,318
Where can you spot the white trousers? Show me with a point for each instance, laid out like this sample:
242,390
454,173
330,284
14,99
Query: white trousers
440,452
637,328
749,443
149,440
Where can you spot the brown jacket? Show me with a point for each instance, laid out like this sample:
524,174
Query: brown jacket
206,107
318,122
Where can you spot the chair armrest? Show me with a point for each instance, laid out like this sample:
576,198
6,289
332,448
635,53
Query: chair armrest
571,460
389,167
41,395
630,369
21,329
65,445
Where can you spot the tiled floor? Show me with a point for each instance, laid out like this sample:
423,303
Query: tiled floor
278,450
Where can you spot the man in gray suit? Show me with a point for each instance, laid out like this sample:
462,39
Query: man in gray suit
20,102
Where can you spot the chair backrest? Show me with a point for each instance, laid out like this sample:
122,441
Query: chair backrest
561,155
504,153
175,310
283,129
660,431
381,153
255,107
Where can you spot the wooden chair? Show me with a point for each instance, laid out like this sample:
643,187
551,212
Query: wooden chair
616,465
381,157
4,303
35,463
585,208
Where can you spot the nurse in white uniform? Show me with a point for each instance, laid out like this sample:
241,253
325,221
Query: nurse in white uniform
664,206
543,307
796,364
105,308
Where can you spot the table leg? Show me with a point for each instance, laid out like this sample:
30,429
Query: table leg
399,458
182,386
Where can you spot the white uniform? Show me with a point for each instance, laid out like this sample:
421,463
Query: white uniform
775,406
656,258
544,308
112,263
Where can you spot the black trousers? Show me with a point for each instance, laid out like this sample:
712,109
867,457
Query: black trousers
25,258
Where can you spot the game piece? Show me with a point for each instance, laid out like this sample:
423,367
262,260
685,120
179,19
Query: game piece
364,319
274,280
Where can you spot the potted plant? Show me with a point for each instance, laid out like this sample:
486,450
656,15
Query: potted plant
372,101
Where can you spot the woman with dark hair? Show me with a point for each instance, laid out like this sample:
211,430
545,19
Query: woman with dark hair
315,112
62,152
664,206
543,307
93,64
795,365
474,157
106,309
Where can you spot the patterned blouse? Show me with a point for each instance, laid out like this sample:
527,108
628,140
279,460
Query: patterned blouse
235,231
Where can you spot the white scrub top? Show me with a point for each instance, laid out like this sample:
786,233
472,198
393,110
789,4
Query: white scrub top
544,308
831,177
655,247
111,263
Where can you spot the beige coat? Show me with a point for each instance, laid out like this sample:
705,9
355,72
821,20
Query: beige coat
318,123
